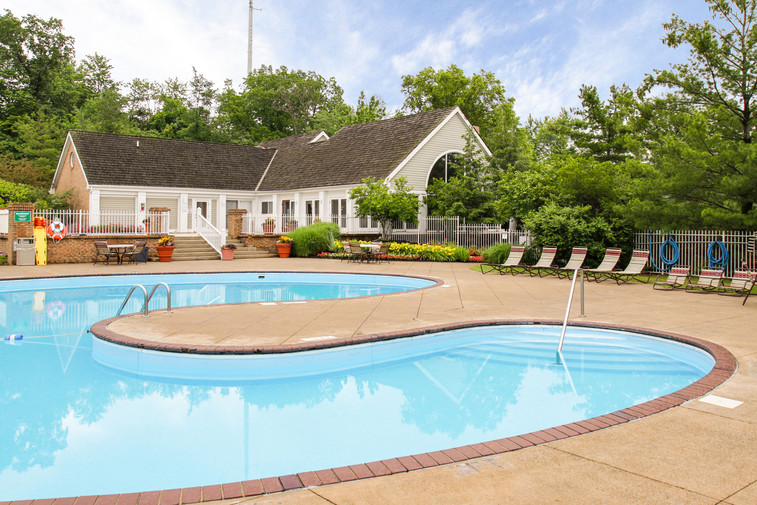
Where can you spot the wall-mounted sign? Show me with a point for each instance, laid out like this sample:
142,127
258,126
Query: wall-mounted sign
22,216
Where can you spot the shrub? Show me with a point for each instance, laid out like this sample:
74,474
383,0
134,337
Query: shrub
497,253
314,239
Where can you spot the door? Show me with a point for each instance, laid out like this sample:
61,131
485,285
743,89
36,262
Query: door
201,207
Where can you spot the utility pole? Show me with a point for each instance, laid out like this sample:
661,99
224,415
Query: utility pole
249,41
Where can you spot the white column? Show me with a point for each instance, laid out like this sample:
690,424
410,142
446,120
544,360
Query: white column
183,212
94,207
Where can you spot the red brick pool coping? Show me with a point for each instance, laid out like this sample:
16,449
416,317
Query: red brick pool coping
725,366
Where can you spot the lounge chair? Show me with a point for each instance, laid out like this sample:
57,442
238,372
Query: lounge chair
513,260
101,249
606,266
741,283
708,280
544,265
677,278
575,262
635,267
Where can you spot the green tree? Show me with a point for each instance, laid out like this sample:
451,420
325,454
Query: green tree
105,112
605,131
41,137
704,155
37,70
468,194
374,199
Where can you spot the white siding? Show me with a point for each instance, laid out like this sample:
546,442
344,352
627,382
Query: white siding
169,202
118,203
449,138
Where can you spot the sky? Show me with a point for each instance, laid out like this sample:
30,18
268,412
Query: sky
541,50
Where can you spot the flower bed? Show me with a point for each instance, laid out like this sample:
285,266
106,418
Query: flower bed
416,252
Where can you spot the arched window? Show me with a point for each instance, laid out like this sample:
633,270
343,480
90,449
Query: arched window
444,168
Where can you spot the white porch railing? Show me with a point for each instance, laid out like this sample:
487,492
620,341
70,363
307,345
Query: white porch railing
429,229
84,222
210,233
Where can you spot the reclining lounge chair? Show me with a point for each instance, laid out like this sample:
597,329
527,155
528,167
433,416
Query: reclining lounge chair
576,261
707,281
606,266
635,267
512,261
677,278
544,265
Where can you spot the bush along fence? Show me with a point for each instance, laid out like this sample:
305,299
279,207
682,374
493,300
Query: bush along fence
698,249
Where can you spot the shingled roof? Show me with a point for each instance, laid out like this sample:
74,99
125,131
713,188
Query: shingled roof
125,160
350,155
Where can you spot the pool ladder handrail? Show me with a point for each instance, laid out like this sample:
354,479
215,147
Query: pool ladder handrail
570,301
145,308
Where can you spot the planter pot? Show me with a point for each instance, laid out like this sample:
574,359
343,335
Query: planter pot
227,254
284,250
290,227
268,229
164,252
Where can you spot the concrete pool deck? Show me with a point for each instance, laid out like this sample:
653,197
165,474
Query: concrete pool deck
697,453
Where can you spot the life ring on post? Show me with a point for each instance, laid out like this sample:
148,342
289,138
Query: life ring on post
57,230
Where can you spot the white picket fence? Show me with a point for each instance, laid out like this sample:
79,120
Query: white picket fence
83,222
698,248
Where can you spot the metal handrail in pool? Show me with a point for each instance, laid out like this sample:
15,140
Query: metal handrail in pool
145,309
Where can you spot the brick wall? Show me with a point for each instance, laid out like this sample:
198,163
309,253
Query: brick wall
81,249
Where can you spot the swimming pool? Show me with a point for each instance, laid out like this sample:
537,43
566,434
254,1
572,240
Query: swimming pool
79,416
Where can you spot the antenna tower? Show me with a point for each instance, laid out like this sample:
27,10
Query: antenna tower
249,40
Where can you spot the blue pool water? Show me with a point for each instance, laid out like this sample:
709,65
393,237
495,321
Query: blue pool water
80,416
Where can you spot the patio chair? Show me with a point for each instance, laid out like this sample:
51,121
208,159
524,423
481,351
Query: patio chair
634,269
576,260
708,281
606,266
381,252
357,252
741,283
101,249
132,254
677,278
514,259
544,265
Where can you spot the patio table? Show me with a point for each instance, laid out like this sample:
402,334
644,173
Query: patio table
120,249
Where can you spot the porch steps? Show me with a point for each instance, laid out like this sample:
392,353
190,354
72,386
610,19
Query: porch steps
194,248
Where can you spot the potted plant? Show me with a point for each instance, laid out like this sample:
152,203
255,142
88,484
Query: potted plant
165,248
269,225
284,246
290,225
227,252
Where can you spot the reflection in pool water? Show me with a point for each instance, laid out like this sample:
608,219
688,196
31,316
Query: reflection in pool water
72,426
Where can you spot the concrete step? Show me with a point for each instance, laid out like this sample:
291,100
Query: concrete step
194,248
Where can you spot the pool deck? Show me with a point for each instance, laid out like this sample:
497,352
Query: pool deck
696,453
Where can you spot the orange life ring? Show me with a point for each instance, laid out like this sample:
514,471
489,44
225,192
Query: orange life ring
57,230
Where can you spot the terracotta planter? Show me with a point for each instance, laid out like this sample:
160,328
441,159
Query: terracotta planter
268,229
227,254
284,250
164,252
290,227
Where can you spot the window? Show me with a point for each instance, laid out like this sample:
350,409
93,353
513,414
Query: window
266,208
312,210
444,168
339,209
72,160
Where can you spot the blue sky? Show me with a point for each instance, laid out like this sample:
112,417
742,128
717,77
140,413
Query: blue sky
541,50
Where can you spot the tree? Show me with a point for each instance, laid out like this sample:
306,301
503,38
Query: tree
708,144
37,68
605,131
105,112
374,199
469,193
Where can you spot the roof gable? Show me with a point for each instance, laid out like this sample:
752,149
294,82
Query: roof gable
352,154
